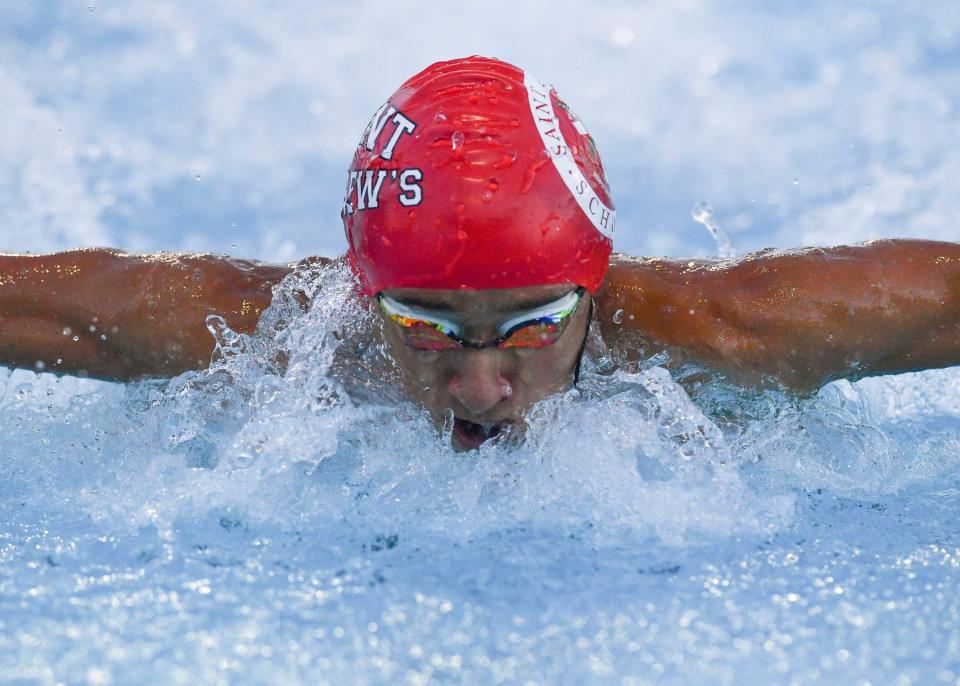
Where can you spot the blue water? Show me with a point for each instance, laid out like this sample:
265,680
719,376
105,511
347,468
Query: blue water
261,523
258,525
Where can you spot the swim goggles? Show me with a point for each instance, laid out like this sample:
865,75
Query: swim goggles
536,328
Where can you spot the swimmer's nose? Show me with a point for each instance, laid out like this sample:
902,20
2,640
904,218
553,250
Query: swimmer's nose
478,382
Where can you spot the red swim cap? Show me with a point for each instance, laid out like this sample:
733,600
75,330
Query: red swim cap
474,174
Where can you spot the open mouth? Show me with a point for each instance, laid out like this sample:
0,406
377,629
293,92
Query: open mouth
471,435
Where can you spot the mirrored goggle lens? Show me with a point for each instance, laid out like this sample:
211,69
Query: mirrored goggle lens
535,335
424,336
542,329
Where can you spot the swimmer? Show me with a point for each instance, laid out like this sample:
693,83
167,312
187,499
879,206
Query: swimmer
479,226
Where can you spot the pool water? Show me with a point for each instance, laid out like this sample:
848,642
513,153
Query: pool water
262,523
287,517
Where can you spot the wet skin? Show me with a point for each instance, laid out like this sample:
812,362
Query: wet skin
485,386
796,318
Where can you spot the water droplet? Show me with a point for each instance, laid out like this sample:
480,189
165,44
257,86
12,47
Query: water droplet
67,331
531,173
622,36
456,140
76,338
618,317
487,196
198,177
506,160
702,213
91,8
243,459
795,181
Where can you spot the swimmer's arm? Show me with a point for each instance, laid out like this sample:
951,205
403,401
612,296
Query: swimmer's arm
113,315
801,318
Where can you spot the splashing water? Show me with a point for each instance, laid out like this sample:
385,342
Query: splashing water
702,213
287,516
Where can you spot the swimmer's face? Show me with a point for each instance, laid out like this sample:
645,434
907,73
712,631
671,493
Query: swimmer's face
491,385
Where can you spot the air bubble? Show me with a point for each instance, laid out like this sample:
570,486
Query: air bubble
618,317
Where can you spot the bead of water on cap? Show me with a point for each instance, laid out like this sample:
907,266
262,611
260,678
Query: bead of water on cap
506,159
618,317
456,140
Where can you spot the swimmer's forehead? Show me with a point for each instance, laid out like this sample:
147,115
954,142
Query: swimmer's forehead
487,300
